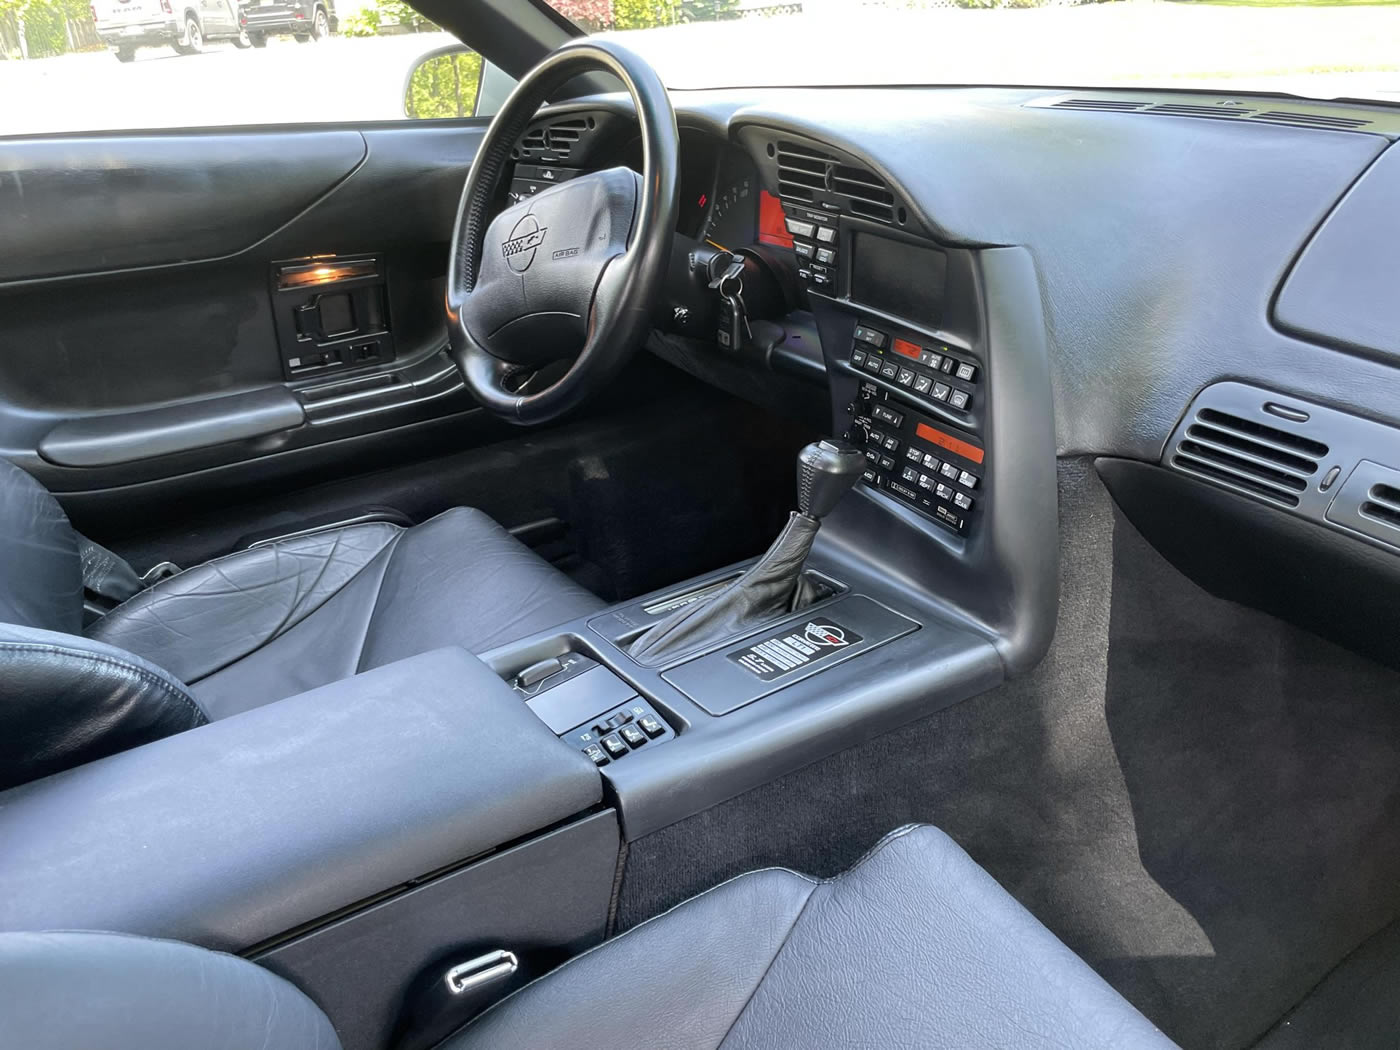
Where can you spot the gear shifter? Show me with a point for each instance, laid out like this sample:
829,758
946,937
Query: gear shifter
776,584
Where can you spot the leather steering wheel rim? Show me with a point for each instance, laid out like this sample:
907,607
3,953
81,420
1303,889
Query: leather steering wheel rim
629,284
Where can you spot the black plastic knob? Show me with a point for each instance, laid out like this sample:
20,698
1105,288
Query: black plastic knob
826,469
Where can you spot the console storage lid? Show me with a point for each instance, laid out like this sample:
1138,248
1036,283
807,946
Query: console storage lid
243,829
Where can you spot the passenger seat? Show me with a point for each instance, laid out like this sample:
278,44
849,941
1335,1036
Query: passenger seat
915,946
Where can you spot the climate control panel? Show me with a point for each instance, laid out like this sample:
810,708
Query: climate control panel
918,460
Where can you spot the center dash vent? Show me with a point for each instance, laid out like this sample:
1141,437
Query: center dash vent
1312,120
810,176
1252,457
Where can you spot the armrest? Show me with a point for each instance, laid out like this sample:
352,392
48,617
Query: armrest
240,830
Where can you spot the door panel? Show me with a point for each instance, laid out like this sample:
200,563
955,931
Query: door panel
139,341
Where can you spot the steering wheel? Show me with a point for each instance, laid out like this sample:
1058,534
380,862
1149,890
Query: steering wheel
573,272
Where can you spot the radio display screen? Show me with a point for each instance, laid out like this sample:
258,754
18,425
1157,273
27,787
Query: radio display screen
899,278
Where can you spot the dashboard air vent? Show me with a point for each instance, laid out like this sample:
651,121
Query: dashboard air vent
554,140
1107,105
806,174
1312,120
1248,456
1383,504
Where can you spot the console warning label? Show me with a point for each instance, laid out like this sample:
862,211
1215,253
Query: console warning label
794,648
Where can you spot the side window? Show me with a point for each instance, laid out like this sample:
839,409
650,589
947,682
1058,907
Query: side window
116,65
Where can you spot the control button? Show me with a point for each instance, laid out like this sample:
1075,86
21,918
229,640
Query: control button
870,335
928,357
595,752
963,500
887,415
873,362
651,726
826,255
947,365
926,482
873,455
634,736
943,492
913,454
886,463
826,234
921,384
960,399
803,249
612,743
967,481
857,357
905,377
941,391
877,437
820,277
888,369
930,462
801,229
949,471
910,474
803,274
967,372
869,476
891,443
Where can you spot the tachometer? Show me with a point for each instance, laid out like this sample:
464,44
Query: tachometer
731,220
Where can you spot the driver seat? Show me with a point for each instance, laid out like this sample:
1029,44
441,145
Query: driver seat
243,630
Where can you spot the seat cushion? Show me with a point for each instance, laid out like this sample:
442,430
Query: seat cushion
264,624
915,946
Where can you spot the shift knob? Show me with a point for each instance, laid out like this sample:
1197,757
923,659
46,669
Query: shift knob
825,470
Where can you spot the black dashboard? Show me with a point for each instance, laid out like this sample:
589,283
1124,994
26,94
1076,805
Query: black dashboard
988,278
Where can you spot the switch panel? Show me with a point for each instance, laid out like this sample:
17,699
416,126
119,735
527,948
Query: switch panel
615,734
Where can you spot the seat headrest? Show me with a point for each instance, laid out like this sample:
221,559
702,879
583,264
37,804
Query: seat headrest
41,572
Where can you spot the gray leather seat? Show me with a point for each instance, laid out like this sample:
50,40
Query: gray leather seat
240,631
916,946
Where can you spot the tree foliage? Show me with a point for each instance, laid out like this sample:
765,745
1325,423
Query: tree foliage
444,86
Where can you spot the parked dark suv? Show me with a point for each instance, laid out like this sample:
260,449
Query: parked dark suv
305,20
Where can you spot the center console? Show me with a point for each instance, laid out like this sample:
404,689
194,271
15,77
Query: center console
934,577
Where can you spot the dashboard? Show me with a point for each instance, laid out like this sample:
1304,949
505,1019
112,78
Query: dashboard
967,299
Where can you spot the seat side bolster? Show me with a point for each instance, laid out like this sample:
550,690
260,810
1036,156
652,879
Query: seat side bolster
214,614
679,980
66,700
918,946
109,991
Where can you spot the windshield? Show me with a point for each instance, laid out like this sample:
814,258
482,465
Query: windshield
1332,49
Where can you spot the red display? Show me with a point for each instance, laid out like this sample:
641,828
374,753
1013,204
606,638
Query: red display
905,347
772,221
952,444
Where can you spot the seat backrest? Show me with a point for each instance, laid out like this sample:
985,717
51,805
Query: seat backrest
41,570
65,699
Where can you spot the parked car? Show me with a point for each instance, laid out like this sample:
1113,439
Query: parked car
304,20
185,25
